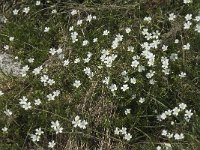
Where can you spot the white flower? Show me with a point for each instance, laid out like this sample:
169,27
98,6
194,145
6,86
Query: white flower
178,136
56,126
85,42
164,132
173,56
46,29
95,40
187,25
76,83
15,12
106,80
50,97
76,122
182,75
113,87
52,51
135,63
31,60
142,100
39,131
74,12
79,22
54,11
182,106
197,18
37,3
26,10
176,41
6,47
51,82
51,144
128,30
35,138
188,113
37,102
56,93
187,46
127,111
66,62
172,17
106,32
8,112
187,1
188,17
117,131
127,136
164,47
163,116
4,129
1,93
197,28
27,106
89,18
83,124
77,60
176,111
44,78
125,87
130,49
147,19
158,148
123,130
36,71
11,38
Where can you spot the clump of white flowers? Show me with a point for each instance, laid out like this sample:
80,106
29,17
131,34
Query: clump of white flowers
24,103
52,96
123,131
77,122
36,137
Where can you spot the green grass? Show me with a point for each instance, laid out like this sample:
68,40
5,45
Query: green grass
93,101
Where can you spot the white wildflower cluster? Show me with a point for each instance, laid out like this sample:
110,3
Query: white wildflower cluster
175,112
187,1
188,22
147,19
107,58
37,70
116,41
77,122
123,131
169,135
24,70
165,65
54,51
52,96
24,103
89,55
74,36
46,80
56,126
88,72
36,137
8,65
